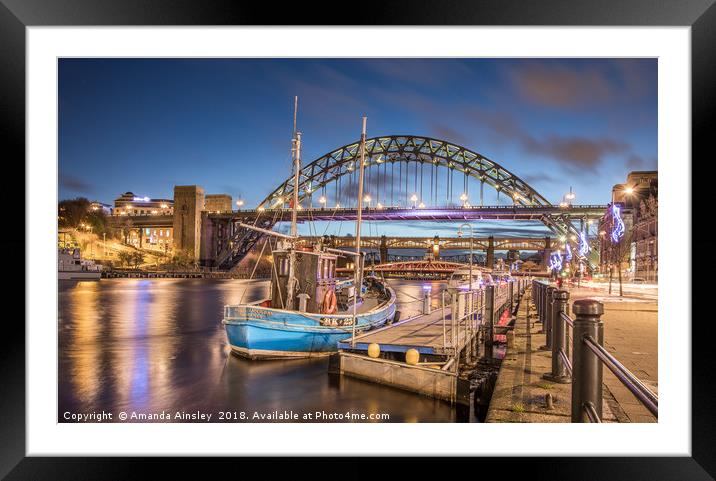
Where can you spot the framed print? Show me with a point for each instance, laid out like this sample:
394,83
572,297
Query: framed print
278,234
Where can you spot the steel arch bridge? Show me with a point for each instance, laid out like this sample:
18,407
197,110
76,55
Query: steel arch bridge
381,151
229,243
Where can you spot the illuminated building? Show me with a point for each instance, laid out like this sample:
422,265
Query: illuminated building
135,205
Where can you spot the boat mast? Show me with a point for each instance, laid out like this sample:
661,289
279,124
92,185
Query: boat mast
296,167
358,271
296,148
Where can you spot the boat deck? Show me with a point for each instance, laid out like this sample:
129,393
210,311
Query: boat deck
370,301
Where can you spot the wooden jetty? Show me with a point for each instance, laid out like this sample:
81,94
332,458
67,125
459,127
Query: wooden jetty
443,338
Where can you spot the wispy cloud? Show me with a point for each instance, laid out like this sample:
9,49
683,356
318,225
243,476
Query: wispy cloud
75,184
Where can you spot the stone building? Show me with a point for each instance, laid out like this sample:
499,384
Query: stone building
217,203
638,195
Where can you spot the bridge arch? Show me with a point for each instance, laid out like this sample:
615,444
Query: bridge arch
382,151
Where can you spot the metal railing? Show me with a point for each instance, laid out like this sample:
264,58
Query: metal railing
583,369
473,312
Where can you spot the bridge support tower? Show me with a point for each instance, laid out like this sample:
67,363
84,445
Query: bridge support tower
188,204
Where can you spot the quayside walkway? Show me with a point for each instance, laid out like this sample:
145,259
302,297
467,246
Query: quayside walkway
598,364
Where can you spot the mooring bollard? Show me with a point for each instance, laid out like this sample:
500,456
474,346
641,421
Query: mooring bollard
586,366
489,319
559,372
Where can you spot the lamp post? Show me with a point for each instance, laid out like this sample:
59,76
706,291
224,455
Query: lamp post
459,234
414,199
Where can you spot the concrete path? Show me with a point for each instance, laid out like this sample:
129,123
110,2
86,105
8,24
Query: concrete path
520,394
631,334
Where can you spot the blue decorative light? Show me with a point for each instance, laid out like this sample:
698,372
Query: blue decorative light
555,261
569,252
583,244
618,230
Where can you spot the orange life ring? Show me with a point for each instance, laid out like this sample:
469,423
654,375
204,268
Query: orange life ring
330,304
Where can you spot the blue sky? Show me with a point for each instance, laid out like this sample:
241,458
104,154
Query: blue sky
145,125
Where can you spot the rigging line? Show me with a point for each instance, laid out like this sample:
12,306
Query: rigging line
415,184
392,181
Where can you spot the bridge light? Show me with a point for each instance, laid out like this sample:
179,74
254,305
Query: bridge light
239,203
163,206
322,200
573,237
367,198
422,205
414,198
563,204
463,197
562,238
379,205
261,208
338,206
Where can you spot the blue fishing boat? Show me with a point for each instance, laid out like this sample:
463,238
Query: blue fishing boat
265,330
309,309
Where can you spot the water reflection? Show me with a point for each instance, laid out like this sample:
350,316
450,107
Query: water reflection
158,344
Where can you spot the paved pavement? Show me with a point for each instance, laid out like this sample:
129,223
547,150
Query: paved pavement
630,333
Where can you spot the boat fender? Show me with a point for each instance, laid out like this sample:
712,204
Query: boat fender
330,302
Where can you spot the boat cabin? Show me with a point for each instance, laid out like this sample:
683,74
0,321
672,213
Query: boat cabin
316,275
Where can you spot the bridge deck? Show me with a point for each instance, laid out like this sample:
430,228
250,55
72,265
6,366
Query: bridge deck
423,333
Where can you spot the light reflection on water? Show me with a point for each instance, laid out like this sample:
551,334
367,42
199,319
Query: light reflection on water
151,345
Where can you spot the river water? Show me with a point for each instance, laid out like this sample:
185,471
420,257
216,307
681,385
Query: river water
156,347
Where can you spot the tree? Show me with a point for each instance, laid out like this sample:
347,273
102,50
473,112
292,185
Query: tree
618,253
73,213
125,258
137,259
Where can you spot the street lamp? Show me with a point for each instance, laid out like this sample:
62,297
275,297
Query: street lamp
322,200
464,198
459,234
239,203
367,199
414,199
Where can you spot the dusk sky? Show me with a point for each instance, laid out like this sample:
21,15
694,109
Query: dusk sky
145,125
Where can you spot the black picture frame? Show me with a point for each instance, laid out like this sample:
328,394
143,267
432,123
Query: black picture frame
700,15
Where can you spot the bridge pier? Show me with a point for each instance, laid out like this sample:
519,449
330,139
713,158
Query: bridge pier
546,252
490,260
383,249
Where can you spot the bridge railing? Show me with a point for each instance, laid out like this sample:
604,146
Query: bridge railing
584,367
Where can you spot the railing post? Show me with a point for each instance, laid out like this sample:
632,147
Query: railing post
426,301
586,366
489,319
559,372
549,314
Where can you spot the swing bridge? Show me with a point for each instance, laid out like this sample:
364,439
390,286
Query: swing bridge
406,178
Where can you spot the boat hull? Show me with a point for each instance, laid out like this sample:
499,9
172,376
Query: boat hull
265,333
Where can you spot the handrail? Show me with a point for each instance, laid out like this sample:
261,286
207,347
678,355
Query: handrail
566,361
627,378
591,413
567,319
